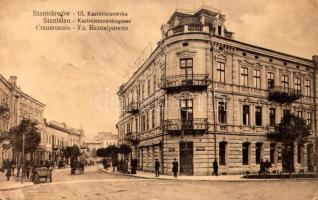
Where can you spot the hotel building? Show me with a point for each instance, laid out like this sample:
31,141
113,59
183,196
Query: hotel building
202,95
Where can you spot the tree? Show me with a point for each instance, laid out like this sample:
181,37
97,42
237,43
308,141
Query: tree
31,133
72,152
290,131
124,149
101,152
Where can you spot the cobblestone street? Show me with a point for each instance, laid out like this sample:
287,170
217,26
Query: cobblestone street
95,184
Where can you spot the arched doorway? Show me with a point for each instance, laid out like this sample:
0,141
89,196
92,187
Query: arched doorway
288,158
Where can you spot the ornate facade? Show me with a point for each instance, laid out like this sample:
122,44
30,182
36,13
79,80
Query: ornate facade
202,95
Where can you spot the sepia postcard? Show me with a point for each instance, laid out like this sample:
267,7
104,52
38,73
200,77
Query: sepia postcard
158,99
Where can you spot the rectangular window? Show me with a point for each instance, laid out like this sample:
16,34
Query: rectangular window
149,92
222,153
147,121
270,80
221,72
272,153
298,84
258,152
309,119
257,78
308,88
142,92
186,65
258,116
285,82
244,76
222,112
245,153
153,118
154,84
186,108
246,113
299,153
300,114
272,113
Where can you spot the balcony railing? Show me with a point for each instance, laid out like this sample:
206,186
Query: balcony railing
283,95
131,137
176,126
132,107
187,82
4,110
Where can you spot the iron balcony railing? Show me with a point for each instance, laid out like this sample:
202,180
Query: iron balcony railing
187,81
131,137
283,94
132,107
187,125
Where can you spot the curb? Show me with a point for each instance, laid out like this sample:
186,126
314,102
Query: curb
240,180
17,187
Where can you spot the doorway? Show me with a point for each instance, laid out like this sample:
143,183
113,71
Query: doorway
186,158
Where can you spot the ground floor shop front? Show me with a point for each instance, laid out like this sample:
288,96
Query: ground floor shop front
235,154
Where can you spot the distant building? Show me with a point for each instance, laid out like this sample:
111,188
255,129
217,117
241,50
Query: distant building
91,148
106,138
56,137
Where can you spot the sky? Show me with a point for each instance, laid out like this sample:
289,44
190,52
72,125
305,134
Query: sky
77,74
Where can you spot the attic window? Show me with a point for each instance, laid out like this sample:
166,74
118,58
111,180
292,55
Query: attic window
285,63
244,54
270,60
220,48
297,66
256,57
185,44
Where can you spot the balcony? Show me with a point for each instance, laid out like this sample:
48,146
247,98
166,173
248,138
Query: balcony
132,138
4,110
283,94
132,108
183,82
177,126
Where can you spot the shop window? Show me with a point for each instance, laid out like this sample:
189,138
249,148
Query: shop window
258,152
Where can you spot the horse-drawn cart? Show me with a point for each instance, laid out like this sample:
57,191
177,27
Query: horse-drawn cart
41,173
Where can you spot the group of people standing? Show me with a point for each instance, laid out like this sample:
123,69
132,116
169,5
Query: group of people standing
264,167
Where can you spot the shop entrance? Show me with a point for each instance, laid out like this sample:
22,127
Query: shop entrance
186,158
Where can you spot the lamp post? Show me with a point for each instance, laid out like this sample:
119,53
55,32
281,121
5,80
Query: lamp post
23,145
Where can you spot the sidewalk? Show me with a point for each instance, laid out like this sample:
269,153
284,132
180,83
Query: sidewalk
150,175
224,178
14,183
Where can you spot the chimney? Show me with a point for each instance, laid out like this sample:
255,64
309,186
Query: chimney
315,59
13,81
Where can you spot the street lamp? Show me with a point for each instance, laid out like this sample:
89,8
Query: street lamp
23,146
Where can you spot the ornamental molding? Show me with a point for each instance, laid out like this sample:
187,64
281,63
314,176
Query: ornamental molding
270,68
185,53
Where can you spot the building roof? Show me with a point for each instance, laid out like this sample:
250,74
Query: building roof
63,127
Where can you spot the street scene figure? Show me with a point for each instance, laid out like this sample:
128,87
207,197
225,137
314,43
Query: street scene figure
175,168
267,165
215,168
134,164
157,168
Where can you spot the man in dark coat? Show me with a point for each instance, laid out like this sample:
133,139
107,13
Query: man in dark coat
215,168
175,167
157,168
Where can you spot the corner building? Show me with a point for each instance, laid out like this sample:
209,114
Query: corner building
203,95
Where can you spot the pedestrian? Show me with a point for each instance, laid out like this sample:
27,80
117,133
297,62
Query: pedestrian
134,166
267,166
215,168
12,166
27,168
157,168
9,170
262,167
175,168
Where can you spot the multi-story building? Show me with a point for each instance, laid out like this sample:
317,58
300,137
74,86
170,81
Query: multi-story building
106,138
18,105
202,95
91,148
56,137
